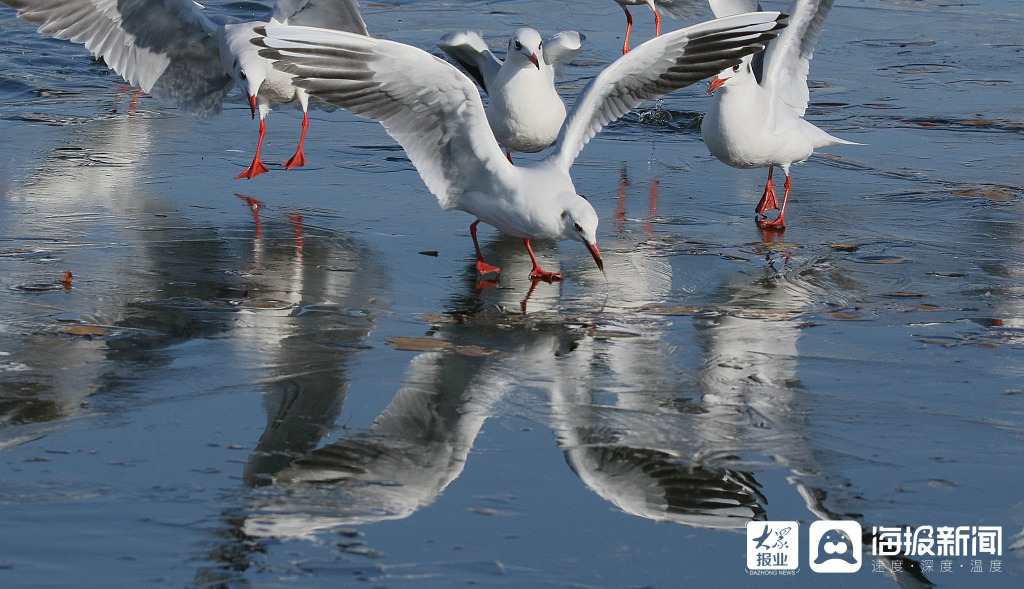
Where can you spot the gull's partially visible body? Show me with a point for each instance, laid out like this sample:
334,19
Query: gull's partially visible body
524,109
436,114
674,8
756,118
172,50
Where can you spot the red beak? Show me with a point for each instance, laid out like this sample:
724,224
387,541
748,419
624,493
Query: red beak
597,256
533,58
716,83
252,106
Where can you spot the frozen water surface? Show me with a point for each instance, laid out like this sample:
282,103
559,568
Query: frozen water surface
294,381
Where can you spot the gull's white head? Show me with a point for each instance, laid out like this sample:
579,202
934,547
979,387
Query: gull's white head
243,62
524,48
741,73
579,222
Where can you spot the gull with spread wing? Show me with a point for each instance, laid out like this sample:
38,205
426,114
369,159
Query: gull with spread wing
524,109
177,53
756,118
436,114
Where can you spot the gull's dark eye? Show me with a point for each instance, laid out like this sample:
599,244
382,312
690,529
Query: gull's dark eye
241,74
736,68
518,45
577,227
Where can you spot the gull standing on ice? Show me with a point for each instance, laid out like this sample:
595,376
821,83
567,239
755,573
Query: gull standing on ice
756,117
436,114
674,8
173,51
524,109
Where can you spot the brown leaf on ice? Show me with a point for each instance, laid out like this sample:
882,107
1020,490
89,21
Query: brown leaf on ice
419,344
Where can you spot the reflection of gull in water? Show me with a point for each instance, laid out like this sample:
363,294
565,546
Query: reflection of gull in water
84,195
635,452
416,447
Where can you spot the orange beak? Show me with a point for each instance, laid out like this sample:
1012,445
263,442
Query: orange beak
252,106
597,256
716,83
533,58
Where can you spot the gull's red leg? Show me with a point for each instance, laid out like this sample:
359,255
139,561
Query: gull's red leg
299,159
780,222
657,24
769,201
256,167
629,27
538,273
481,266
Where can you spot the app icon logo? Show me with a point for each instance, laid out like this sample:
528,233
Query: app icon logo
773,545
835,546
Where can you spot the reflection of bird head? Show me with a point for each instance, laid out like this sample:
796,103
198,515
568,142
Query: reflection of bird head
835,544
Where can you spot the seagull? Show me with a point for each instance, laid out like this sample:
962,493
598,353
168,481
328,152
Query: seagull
673,8
435,112
525,111
173,51
756,118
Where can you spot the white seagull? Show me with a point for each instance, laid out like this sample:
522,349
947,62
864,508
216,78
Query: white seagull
756,118
173,51
673,8
524,109
436,114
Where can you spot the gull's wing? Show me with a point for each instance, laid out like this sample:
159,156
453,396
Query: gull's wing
340,15
659,66
563,47
787,59
470,51
424,102
167,47
722,8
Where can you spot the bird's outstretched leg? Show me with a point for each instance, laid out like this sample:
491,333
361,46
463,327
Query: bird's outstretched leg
657,24
481,266
629,28
299,159
537,273
508,154
780,222
768,201
256,167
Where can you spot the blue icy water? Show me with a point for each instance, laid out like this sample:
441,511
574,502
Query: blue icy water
314,393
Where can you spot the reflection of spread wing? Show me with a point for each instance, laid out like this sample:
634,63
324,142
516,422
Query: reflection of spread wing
169,48
653,484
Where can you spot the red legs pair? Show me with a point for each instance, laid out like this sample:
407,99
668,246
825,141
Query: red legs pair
299,159
770,202
629,27
484,268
